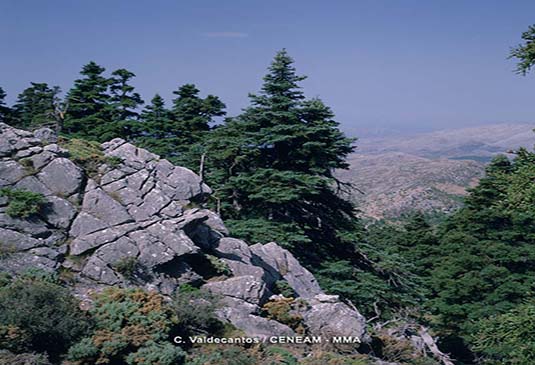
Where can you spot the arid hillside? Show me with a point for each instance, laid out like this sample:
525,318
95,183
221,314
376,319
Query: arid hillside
427,172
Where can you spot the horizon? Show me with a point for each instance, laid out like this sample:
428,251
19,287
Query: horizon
447,67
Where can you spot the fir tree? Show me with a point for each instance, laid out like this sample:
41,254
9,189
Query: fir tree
178,135
193,114
486,261
88,111
525,53
124,101
155,130
35,106
5,111
273,166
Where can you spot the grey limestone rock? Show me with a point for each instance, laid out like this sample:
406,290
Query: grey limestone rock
328,316
61,176
59,212
46,135
246,288
31,183
138,209
254,326
280,262
11,171
102,206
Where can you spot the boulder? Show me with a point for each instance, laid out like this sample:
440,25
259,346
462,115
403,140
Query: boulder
31,183
280,262
99,204
238,257
328,316
61,176
246,288
11,171
46,135
254,326
58,212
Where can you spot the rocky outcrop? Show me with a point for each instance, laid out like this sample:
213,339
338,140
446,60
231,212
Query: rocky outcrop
137,221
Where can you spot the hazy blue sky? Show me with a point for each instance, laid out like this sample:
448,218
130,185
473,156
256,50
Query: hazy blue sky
405,64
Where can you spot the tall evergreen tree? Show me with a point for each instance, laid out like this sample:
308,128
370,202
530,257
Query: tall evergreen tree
124,101
5,111
35,106
273,166
486,261
525,53
155,131
88,111
178,134
193,114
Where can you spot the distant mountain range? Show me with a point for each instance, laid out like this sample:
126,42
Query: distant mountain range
426,172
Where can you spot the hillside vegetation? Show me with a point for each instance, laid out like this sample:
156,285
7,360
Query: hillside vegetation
272,172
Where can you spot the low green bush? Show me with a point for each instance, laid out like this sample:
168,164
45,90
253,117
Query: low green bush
39,315
195,311
9,358
86,154
222,355
282,287
22,203
131,327
127,267
282,310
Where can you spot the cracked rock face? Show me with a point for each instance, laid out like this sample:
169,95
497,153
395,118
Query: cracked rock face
132,224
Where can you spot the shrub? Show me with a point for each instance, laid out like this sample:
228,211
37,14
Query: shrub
113,161
28,166
127,267
329,358
157,354
9,358
282,287
195,309
282,310
508,338
39,315
220,267
13,338
22,203
274,355
222,355
131,326
87,154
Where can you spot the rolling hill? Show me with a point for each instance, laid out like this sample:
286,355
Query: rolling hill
426,172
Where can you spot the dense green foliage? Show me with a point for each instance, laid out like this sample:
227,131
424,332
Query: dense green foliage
469,277
508,338
131,327
177,134
525,53
37,314
5,111
22,203
35,106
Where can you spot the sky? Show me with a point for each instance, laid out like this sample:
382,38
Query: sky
392,65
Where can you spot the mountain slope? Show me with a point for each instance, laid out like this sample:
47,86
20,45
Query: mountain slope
392,184
468,143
